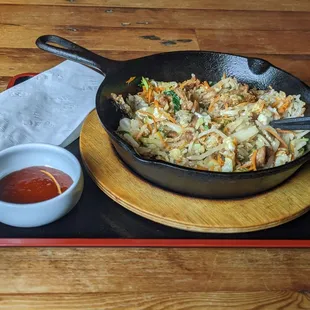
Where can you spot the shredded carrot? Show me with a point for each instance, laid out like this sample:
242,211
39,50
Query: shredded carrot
211,106
241,104
152,116
54,180
139,135
286,131
206,84
246,165
284,106
226,131
159,89
226,105
201,168
235,141
183,84
149,127
275,103
156,103
162,140
277,137
141,132
261,108
253,160
220,160
149,95
167,115
130,80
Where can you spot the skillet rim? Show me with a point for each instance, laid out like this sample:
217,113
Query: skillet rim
216,174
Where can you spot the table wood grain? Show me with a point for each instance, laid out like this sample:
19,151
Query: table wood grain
139,278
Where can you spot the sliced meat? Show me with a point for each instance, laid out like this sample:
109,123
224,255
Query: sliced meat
254,116
187,105
172,134
189,136
191,84
163,101
261,157
194,121
119,100
195,106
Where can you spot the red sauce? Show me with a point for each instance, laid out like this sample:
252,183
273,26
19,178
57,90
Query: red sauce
33,184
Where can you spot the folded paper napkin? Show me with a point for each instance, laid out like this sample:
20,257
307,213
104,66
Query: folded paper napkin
50,107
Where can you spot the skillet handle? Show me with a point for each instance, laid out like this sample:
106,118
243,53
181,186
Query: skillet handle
74,52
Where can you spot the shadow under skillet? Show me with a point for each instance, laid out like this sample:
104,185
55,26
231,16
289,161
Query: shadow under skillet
97,216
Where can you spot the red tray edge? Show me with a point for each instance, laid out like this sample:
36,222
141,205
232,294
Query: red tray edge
14,78
108,242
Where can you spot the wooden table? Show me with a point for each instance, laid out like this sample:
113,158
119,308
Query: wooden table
111,278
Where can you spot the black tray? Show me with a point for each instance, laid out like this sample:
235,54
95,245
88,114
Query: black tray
99,221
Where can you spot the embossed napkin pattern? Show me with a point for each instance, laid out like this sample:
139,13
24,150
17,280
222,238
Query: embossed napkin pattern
50,107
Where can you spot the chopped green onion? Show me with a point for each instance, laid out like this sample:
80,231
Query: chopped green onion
175,99
123,132
144,83
206,127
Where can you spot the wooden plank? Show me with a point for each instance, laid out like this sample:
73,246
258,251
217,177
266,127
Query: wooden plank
152,18
4,80
265,5
264,42
235,41
17,36
17,61
84,270
136,301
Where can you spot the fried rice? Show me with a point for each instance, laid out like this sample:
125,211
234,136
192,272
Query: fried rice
220,127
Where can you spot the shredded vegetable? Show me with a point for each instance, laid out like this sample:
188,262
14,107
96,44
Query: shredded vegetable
211,126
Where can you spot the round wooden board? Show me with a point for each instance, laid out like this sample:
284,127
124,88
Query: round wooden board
270,209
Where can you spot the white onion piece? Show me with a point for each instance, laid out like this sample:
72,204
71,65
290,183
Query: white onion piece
206,154
266,142
275,144
190,146
124,124
173,126
300,134
245,134
131,140
212,130
270,162
176,139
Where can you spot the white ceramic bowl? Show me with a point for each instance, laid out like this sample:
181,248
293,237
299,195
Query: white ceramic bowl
40,213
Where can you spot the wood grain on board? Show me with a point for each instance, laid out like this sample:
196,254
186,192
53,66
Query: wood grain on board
102,38
137,278
76,16
270,209
139,301
262,5
15,61
245,41
139,270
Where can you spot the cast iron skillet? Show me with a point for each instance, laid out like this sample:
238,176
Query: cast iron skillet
178,66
